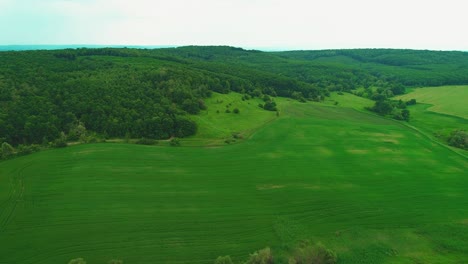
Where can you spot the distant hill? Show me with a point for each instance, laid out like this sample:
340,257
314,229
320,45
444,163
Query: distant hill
59,47
117,92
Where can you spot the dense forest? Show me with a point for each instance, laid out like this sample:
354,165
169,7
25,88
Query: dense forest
151,93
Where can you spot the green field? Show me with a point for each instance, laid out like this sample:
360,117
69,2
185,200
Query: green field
371,189
439,111
449,100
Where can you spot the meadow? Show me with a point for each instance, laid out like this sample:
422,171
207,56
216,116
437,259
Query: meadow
449,100
439,111
371,189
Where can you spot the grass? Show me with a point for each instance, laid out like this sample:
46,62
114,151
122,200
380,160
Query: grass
449,100
216,125
369,188
439,111
348,100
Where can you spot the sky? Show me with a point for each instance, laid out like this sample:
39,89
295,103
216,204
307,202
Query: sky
265,24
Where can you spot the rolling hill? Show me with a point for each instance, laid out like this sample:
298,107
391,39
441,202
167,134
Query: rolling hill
371,189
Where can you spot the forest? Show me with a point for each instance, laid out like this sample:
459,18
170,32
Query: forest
46,96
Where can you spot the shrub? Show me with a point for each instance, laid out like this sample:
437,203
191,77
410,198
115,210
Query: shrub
313,254
237,135
7,150
411,102
270,106
263,256
223,260
236,111
175,142
458,139
61,142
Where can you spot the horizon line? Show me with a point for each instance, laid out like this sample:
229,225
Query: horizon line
259,48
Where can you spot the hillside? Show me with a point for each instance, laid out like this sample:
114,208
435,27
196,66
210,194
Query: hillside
140,93
371,189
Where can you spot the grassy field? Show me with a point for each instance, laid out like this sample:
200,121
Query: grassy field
348,100
215,125
449,100
369,188
439,111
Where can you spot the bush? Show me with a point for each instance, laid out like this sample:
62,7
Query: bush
236,111
270,106
458,139
77,132
411,102
237,135
223,260
7,150
313,254
175,142
61,142
263,256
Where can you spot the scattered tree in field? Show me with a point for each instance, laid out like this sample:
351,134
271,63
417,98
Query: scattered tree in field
304,253
405,114
263,256
459,139
236,111
223,260
77,261
270,106
393,109
382,107
411,102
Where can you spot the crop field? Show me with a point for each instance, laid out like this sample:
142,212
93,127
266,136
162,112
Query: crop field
450,100
371,189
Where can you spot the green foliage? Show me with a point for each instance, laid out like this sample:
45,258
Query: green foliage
61,142
175,142
383,107
223,260
45,92
459,139
313,254
263,256
77,132
7,150
394,109
411,102
236,111
270,106
115,261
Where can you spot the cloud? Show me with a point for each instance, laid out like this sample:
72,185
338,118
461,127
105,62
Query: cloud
292,23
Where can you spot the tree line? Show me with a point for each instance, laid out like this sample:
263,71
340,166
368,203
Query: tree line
47,96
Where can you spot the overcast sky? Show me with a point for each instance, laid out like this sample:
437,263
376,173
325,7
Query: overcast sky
282,24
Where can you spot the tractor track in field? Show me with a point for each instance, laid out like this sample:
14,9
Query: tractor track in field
15,197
